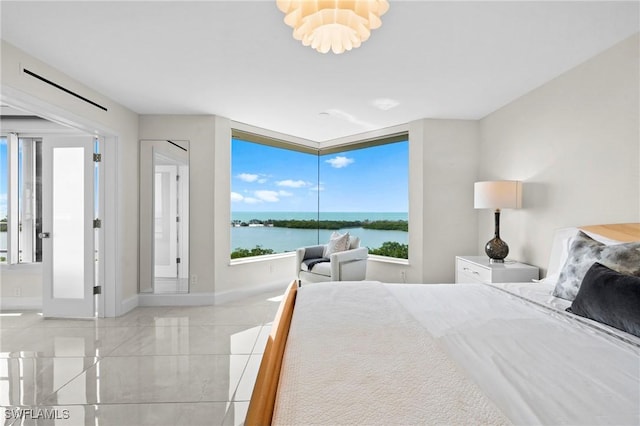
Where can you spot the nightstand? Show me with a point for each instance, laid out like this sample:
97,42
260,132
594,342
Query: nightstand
478,269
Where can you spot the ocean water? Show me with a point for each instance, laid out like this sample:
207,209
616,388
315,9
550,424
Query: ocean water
288,239
371,216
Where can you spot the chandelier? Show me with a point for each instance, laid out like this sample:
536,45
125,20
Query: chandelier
338,25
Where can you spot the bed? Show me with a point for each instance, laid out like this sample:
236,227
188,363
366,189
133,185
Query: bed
376,353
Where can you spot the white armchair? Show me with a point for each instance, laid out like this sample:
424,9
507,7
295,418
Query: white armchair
349,265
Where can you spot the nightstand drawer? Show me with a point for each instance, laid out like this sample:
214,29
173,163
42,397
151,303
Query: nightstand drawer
467,272
478,269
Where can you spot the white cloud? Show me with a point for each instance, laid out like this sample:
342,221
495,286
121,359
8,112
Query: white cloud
268,196
317,188
290,183
260,197
251,177
340,162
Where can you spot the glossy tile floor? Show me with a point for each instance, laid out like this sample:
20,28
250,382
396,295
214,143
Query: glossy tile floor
152,366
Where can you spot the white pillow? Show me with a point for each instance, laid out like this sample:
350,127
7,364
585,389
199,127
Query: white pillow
354,242
337,243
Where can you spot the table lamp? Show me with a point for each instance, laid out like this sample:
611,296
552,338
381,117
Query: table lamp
497,195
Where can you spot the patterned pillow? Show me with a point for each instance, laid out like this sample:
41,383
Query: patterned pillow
584,252
337,243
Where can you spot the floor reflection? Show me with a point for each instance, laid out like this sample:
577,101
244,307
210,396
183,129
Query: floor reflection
170,365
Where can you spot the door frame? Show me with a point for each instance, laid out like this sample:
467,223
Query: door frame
110,303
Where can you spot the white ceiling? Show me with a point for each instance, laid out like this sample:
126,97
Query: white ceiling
237,59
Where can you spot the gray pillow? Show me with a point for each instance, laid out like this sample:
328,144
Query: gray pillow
609,297
584,252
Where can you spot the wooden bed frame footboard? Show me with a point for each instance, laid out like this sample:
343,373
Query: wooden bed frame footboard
263,398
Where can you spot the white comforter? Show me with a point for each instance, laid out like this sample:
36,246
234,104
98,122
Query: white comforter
373,353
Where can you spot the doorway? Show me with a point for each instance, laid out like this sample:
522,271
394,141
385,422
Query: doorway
51,254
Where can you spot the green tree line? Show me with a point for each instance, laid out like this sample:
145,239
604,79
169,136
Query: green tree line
382,225
388,248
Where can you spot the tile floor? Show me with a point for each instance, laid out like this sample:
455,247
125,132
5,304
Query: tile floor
152,366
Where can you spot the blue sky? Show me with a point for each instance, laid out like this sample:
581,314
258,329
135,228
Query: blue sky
3,178
365,180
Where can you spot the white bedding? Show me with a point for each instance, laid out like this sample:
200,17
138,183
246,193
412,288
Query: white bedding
451,354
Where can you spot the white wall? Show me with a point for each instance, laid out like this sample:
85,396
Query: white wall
119,125
450,166
575,144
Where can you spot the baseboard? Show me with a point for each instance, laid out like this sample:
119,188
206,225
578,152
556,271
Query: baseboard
187,299
20,303
129,304
233,295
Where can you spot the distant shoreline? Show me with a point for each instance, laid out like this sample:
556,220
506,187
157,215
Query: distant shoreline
381,225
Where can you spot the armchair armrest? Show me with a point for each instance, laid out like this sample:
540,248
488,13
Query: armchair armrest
349,265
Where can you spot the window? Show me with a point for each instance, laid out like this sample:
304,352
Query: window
270,188
284,197
366,191
20,199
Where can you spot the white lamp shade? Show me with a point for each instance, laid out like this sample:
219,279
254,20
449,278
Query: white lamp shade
505,194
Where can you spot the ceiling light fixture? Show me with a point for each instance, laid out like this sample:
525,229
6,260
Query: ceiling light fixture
338,25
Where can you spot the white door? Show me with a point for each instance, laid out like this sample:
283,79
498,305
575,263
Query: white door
67,226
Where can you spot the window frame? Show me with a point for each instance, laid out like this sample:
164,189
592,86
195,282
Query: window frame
19,165
372,139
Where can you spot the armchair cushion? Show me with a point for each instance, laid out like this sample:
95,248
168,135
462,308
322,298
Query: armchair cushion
308,264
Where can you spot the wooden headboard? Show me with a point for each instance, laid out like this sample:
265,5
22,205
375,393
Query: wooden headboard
625,232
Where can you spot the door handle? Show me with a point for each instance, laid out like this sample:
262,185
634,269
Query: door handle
43,235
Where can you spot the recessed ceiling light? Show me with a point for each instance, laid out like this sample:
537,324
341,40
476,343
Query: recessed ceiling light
385,104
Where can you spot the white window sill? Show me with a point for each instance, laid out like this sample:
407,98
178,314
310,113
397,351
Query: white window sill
263,258
268,257
386,259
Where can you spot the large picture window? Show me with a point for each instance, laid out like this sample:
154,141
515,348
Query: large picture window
20,199
283,198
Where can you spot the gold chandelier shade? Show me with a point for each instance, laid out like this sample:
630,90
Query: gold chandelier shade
338,25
